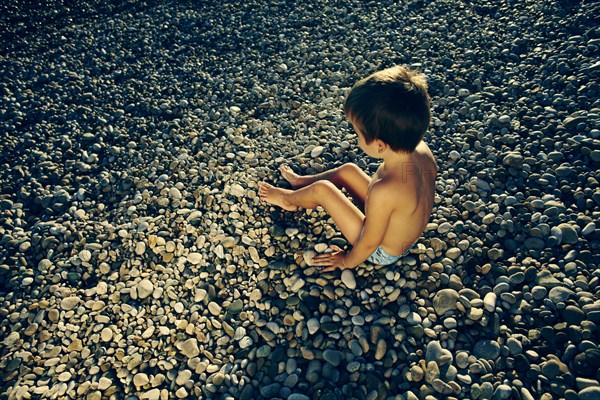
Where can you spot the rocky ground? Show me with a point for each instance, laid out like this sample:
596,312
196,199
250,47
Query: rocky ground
137,262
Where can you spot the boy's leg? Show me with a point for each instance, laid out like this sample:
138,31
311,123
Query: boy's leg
348,218
348,176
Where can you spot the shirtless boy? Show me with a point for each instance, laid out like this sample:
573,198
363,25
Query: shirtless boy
390,112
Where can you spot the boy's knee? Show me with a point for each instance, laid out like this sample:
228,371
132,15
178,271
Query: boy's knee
349,167
322,188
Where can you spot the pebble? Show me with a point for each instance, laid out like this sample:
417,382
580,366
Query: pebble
333,357
316,151
380,349
152,394
573,315
313,371
313,325
502,392
298,396
97,395
85,255
462,359
445,300
559,294
569,234
214,308
489,301
588,229
413,318
514,160
308,255
270,391
514,346
547,280
144,288
434,351
416,373
487,349
69,303
589,393
297,284
263,351
245,342
11,339
194,258
140,248
140,379
504,119
189,348
183,376
348,279
106,335
64,376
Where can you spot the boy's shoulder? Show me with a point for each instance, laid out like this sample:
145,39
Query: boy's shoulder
392,190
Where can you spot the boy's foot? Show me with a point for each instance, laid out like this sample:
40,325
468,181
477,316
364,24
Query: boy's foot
297,181
275,196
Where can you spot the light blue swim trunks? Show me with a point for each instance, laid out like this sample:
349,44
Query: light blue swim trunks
381,257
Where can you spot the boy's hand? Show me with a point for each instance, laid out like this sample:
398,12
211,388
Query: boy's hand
330,260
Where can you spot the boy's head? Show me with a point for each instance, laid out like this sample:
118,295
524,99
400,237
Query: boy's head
391,105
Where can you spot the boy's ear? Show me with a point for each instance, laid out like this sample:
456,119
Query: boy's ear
381,146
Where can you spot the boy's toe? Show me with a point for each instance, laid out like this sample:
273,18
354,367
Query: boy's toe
263,188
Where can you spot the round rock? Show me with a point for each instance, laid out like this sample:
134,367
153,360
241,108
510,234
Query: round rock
189,348
589,393
69,303
348,279
487,349
445,300
140,379
144,288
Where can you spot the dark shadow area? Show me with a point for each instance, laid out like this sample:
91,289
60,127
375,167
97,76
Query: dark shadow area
21,20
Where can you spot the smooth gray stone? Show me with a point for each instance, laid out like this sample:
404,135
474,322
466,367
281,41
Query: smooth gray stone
502,392
333,357
270,391
569,234
589,393
487,349
514,346
298,396
559,294
445,300
434,351
573,315
546,279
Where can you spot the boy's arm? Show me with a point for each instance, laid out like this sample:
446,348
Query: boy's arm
380,203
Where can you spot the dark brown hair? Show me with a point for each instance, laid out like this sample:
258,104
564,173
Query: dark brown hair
391,105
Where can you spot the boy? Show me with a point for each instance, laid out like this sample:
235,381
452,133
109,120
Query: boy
389,111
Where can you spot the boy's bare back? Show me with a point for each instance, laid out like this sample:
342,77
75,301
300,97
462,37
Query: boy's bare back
411,185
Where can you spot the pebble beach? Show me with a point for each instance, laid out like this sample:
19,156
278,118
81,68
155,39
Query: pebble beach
137,261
